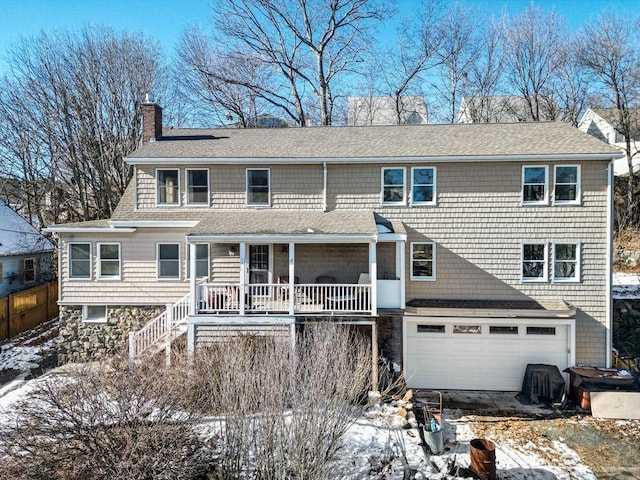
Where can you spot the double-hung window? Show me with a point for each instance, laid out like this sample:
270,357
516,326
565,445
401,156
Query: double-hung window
80,260
197,187
108,260
29,270
566,185
258,187
423,186
534,185
566,262
202,260
534,262
168,256
168,187
423,258
393,186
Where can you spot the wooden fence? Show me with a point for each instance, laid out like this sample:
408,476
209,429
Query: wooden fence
25,310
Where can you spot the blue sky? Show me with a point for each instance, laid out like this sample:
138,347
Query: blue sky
165,20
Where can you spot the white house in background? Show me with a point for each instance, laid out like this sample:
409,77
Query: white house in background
466,251
601,123
505,109
26,256
387,110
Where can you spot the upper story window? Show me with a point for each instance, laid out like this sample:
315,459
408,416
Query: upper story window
168,257
423,257
258,186
29,267
108,260
534,185
198,187
567,184
534,262
80,260
423,186
566,264
393,186
168,187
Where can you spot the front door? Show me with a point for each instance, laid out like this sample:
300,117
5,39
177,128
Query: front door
258,264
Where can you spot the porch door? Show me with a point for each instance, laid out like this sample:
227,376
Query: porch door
258,264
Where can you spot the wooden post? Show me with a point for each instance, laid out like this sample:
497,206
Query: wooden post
132,346
374,357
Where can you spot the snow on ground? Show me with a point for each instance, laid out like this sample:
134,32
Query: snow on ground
24,353
626,285
376,446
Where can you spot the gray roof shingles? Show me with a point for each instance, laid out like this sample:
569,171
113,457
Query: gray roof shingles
287,222
467,140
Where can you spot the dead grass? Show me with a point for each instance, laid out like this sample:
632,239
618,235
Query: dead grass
602,444
629,240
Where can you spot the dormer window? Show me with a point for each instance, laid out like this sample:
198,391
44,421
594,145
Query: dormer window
168,187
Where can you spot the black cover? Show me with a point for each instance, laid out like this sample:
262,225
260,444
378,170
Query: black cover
543,384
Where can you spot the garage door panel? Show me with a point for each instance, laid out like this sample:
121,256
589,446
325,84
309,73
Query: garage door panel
478,360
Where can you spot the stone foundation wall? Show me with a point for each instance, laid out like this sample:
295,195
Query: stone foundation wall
82,341
390,338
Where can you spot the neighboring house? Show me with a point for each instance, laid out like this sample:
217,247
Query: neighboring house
601,123
507,109
26,256
404,110
469,251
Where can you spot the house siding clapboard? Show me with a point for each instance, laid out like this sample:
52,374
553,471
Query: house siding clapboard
477,222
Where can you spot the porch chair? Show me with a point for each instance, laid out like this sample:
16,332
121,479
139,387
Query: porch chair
350,300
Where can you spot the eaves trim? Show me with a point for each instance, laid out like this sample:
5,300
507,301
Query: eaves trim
398,159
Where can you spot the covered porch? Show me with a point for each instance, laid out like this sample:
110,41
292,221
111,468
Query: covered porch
318,263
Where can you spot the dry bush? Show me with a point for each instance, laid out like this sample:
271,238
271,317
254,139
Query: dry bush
94,421
280,414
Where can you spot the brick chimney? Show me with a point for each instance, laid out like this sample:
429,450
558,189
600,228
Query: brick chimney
151,122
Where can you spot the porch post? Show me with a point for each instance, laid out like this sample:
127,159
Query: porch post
373,276
243,275
192,279
292,277
400,270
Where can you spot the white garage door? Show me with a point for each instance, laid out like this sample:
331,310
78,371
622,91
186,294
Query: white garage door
481,354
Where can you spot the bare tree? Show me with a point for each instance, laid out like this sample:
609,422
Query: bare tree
75,98
482,79
573,89
531,59
230,85
609,48
459,48
309,44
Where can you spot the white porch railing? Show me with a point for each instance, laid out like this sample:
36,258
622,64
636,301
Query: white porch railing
157,332
278,298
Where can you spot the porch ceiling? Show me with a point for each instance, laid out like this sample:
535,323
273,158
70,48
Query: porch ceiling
282,223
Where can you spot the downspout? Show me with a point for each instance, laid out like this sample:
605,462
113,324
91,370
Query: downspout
324,186
609,300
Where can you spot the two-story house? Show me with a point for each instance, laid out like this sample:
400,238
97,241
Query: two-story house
468,251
